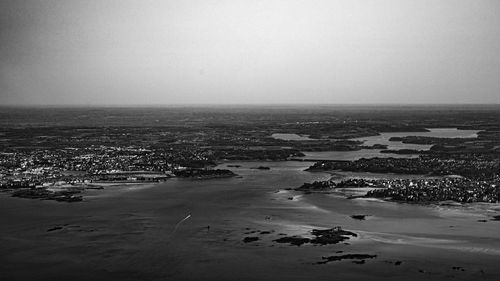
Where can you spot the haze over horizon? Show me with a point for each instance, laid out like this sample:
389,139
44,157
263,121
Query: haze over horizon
132,52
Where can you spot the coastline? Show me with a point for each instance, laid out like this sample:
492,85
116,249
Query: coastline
145,242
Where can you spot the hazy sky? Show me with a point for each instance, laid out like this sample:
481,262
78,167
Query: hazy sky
233,52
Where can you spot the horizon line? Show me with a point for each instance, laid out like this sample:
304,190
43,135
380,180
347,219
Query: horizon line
245,105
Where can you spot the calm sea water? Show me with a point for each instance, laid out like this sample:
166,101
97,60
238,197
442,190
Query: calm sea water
162,233
383,138
193,230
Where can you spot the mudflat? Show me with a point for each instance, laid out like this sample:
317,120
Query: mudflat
226,229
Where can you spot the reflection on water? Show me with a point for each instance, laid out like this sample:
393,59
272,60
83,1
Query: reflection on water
134,232
351,155
383,138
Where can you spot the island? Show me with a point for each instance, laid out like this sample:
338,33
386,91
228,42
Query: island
204,173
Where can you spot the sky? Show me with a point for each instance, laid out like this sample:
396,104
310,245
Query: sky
146,52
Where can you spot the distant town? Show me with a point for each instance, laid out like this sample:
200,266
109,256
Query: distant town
54,160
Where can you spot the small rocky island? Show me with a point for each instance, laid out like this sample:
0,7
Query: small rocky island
262,168
317,186
321,237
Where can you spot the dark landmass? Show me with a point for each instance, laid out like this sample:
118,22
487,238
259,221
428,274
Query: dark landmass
432,140
375,146
129,177
204,173
317,186
329,185
250,239
322,237
265,154
403,151
54,228
293,240
262,168
361,257
41,193
331,236
470,166
359,217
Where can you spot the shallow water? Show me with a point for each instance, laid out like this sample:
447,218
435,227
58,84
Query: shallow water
351,155
140,233
383,138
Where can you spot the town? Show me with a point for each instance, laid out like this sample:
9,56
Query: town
459,190
465,178
418,190
56,158
467,165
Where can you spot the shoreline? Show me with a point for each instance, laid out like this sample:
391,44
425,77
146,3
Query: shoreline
235,208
